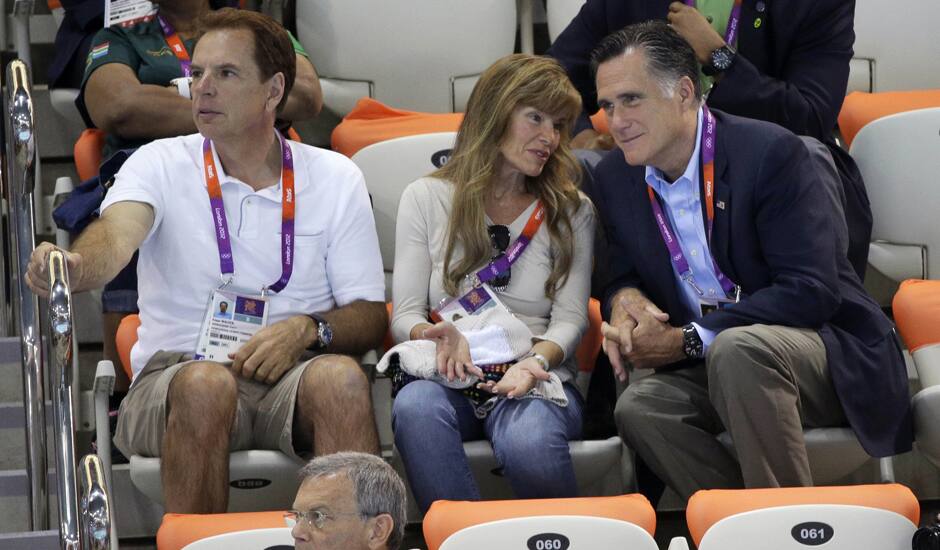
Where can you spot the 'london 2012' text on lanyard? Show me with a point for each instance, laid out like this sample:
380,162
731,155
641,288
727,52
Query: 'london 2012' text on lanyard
708,176
223,238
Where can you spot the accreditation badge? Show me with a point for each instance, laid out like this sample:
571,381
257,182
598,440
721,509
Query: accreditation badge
477,300
231,319
708,306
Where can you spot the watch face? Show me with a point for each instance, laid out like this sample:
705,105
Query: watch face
324,334
722,58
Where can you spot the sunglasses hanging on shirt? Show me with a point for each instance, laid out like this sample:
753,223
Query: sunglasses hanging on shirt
499,240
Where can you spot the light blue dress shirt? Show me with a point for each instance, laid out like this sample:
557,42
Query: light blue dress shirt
682,203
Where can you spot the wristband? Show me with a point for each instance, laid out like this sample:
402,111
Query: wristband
182,86
542,361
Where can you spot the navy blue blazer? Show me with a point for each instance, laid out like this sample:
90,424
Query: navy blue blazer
774,236
792,69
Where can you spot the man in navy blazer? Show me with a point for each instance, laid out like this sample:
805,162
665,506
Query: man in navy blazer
790,67
728,284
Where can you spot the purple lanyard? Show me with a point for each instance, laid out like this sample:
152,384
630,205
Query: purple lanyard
501,264
176,44
672,244
731,33
226,259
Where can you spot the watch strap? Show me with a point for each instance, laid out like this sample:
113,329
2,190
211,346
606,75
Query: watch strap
324,332
692,344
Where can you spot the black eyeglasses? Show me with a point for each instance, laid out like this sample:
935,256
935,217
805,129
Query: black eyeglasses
499,239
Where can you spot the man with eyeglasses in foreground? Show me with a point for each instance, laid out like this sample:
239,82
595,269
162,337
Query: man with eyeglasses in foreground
348,501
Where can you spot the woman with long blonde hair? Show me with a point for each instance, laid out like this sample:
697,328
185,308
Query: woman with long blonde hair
511,179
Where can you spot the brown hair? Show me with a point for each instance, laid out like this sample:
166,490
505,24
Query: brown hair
274,50
513,81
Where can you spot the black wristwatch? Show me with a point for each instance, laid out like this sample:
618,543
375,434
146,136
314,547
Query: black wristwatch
692,343
720,60
324,332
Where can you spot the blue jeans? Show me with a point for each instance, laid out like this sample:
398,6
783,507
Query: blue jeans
529,437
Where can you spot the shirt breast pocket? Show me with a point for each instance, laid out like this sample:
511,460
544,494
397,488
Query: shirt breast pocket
309,261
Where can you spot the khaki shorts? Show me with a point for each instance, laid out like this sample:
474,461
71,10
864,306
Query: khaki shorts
264,417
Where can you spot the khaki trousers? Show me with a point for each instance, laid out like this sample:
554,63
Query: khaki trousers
760,383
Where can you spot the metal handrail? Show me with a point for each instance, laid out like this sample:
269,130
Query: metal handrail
96,505
60,328
21,163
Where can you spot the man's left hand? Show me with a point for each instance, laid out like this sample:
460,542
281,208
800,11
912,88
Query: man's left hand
697,31
655,342
273,350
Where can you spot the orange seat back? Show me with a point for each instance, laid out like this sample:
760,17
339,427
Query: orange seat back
87,153
178,530
125,339
916,309
371,121
590,345
446,517
707,508
860,108
293,135
389,341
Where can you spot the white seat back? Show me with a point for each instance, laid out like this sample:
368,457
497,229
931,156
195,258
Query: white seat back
389,166
258,480
899,158
273,538
833,452
597,465
902,42
798,527
425,56
551,532
559,13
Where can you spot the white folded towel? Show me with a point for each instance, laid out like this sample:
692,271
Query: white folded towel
495,336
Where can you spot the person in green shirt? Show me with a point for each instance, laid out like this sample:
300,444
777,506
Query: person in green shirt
127,90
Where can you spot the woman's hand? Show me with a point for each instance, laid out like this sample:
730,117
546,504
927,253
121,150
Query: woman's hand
518,380
453,351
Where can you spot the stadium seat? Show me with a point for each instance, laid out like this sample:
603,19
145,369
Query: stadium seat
371,122
425,58
559,14
833,454
87,153
897,157
901,45
861,108
886,73
917,312
223,531
258,479
599,523
388,167
835,518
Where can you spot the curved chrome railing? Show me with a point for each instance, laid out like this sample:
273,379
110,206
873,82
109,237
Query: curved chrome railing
21,164
60,328
96,505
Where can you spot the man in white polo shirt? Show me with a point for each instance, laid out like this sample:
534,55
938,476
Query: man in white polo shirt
282,233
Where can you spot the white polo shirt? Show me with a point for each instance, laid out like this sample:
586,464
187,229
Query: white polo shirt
337,259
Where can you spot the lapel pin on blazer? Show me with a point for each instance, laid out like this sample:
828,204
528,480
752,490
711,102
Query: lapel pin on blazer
720,205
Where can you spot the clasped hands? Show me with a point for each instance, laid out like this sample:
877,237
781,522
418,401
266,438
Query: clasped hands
454,361
639,332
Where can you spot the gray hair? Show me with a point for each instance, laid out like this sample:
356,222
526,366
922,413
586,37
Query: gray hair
668,56
379,489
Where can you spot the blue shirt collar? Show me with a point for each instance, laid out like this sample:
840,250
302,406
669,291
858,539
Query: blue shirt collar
654,176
